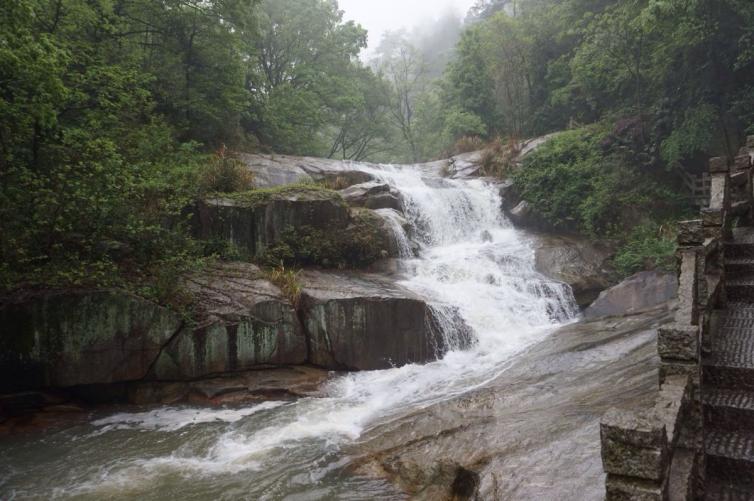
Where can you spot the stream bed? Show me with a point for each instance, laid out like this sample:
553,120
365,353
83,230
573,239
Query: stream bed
495,418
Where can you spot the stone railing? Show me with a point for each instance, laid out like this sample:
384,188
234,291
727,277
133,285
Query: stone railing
657,453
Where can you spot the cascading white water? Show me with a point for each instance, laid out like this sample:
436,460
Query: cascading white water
471,259
395,222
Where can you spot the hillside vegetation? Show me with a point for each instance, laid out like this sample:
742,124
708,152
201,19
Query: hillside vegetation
116,114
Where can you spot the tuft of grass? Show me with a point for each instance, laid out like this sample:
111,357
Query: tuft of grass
336,183
286,280
467,144
497,158
225,174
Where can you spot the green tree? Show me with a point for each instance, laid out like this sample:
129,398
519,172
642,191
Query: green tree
300,59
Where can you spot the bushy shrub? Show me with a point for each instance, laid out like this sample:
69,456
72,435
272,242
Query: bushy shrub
581,182
648,247
577,182
498,156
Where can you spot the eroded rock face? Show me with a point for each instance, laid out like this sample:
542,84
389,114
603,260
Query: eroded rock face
365,322
643,290
70,338
577,262
372,195
255,225
244,322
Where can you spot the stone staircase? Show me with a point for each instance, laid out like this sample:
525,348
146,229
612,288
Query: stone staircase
695,440
727,388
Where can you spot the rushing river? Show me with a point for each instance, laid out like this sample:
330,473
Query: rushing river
470,258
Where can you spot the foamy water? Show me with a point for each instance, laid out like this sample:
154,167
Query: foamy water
471,261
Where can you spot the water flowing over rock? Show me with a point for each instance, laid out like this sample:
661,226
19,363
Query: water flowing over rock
468,293
531,433
577,262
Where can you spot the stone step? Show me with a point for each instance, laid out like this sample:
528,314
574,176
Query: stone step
739,250
739,266
730,456
740,289
728,409
729,354
716,490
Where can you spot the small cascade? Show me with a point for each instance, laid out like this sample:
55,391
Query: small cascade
395,223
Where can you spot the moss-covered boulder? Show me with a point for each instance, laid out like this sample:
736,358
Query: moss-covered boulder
366,322
71,338
243,322
256,220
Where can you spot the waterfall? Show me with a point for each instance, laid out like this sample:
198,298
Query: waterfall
395,222
472,264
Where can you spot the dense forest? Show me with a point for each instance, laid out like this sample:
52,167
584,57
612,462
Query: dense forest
115,114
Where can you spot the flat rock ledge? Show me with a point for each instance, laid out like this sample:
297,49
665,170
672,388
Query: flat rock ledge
256,223
241,322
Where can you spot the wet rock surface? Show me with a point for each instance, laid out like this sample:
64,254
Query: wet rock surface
533,432
255,225
372,195
232,389
577,262
638,292
69,338
364,322
279,170
243,322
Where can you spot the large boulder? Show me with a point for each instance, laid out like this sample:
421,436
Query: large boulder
372,195
242,322
509,195
582,264
257,220
523,215
366,322
71,338
280,170
639,292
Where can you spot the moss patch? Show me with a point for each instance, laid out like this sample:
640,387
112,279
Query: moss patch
360,245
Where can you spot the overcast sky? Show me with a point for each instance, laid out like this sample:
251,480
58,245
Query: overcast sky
379,16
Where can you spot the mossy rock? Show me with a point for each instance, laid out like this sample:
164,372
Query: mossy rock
71,338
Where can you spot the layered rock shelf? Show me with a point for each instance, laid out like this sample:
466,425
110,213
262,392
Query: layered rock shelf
240,322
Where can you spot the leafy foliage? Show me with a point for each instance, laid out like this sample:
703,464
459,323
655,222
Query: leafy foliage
648,247
581,183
